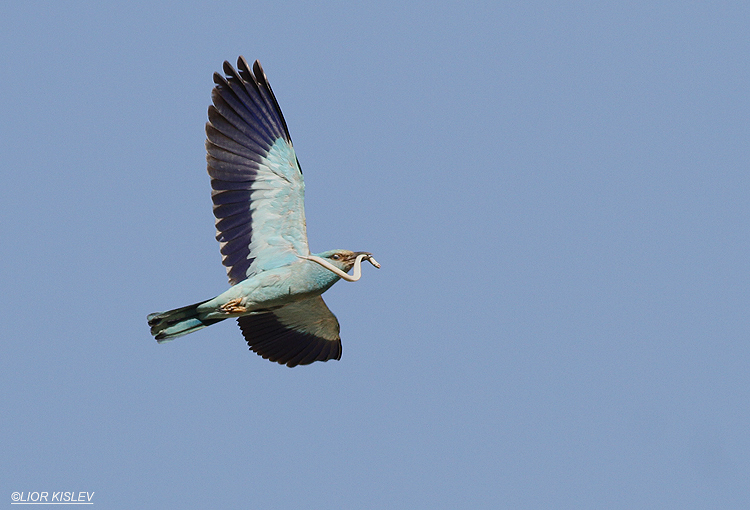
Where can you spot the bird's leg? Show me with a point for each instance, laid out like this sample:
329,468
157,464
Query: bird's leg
233,306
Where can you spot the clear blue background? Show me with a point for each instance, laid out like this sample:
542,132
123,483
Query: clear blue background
558,193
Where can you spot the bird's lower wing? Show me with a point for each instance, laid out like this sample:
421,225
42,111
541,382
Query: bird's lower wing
296,334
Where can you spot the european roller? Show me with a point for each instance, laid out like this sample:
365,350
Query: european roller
258,198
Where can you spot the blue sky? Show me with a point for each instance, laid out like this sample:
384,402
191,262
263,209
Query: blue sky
557,192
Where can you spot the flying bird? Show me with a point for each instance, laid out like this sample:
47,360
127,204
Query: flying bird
258,200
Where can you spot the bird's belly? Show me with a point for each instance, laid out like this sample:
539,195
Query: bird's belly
265,291
282,292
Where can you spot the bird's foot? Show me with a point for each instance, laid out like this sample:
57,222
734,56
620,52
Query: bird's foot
233,306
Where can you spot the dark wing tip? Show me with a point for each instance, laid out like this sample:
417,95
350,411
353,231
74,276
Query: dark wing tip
219,79
271,340
249,94
262,80
229,69
244,68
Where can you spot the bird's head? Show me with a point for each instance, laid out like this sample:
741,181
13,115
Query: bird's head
343,259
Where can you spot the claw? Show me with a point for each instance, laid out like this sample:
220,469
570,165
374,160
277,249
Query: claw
233,306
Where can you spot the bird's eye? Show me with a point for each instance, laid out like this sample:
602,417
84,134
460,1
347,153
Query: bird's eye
335,256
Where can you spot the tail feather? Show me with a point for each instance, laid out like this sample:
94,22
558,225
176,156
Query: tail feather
180,321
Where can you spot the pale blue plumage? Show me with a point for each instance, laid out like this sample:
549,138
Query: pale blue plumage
258,195
278,214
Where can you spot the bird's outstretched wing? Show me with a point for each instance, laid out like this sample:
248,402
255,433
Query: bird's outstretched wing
258,190
295,334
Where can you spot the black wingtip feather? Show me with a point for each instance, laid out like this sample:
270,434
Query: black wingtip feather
272,341
260,75
244,69
229,69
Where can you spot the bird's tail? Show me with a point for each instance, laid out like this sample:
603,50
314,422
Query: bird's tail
181,321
